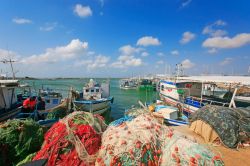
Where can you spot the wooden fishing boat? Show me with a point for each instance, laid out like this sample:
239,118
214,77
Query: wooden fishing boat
94,98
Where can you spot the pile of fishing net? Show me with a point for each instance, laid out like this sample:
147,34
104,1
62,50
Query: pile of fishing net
74,140
180,150
231,125
19,138
132,142
142,140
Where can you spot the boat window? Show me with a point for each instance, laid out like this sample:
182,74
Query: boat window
87,90
162,87
92,90
97,90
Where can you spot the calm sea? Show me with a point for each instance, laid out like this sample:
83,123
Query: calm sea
123,99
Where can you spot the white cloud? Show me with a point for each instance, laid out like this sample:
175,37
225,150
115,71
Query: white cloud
175,52
129,50
160,62
185,3
127,61
160,54
212,51
213,30
82,11
48,26
226,61
187,64
148,41
99,61
227,42
187,37
6,55
220,23
145,54
21,21
127,58
72,50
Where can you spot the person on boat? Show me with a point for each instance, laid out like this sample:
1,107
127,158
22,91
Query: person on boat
29,104
40,104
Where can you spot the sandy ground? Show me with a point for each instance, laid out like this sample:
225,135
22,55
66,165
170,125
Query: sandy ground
231,157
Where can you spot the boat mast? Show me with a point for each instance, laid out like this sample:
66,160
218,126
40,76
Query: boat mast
11,65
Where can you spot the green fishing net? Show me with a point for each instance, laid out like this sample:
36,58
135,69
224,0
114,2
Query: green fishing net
18,139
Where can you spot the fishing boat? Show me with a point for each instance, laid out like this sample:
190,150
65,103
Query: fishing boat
171,115
94,98
128,84
51,97
147,84
10,100
190,94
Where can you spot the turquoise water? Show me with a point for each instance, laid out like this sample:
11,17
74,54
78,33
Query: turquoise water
123,99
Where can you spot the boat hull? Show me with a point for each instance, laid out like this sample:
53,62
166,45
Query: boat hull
10,114
94,106
186,108
128,87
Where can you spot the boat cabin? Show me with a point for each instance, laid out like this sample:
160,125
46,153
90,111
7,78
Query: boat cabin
52,98
8,97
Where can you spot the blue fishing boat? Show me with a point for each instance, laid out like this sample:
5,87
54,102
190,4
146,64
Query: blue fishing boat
94,98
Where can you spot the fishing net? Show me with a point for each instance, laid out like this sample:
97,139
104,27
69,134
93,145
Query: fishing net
141,140
180,150
19,138
74,140
231,125
134,142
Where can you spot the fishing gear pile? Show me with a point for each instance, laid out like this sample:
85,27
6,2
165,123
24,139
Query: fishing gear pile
142,140
74,140
180,150
18,139
134,142
232,125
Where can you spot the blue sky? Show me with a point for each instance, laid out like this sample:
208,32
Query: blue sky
120,38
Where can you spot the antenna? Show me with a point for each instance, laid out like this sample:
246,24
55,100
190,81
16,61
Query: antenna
10,61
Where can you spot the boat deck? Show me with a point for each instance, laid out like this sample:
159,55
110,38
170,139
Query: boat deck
230,156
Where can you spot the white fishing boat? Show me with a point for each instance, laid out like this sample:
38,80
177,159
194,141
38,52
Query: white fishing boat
171,115
189,92
10,99
94,98
128,84
51,97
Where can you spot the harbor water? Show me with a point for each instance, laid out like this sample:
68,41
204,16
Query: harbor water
123,99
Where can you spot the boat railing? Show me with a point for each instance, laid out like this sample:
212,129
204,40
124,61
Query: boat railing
208,101
200,100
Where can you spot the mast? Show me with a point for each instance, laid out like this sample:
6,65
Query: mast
11,65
